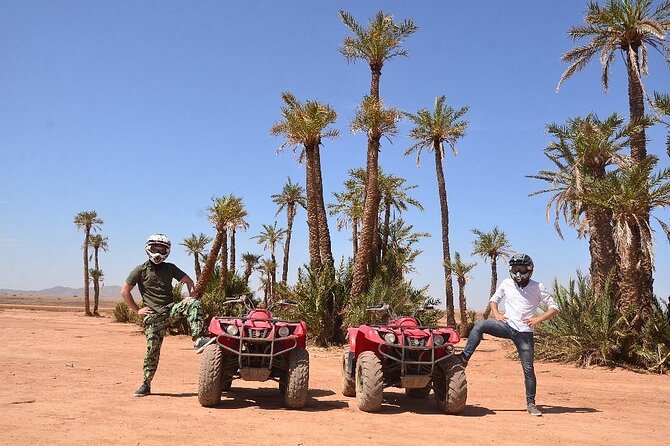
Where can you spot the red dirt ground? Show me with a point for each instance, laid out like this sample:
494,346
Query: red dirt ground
68,379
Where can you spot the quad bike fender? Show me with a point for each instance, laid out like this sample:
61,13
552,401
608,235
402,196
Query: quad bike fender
366,339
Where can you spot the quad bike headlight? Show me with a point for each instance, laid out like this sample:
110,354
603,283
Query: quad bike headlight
283,331
390,338
232,330
438,340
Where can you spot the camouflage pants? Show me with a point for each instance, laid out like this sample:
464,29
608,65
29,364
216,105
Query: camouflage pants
156,323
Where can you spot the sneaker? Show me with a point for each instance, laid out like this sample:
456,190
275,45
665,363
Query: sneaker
201,343
144,390
462,360
534,411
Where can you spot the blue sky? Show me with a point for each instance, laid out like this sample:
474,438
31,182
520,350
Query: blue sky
144,110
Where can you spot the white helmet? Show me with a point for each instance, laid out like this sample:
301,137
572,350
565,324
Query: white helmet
158,248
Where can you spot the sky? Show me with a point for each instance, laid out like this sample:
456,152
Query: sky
145,110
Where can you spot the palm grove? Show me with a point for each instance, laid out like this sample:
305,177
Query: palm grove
610,316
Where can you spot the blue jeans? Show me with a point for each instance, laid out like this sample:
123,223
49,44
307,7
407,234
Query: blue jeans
525,346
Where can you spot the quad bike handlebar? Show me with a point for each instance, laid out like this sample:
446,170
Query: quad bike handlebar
250,304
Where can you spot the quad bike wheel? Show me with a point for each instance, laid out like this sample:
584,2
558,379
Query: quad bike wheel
419,393
348,383
369,382
450,387
211,371
297,379
230,365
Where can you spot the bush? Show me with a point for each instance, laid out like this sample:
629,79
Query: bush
123,314
589,330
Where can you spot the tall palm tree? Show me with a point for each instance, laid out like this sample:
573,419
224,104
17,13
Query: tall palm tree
629,27
431,131
87,221
305,126
98,242
585,148
349,205
250,261
195,246
269,237
376,121
222,211
267,269
378,43
462,271
291,196
490,246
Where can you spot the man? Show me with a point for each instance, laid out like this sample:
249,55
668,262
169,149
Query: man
154,278
522,298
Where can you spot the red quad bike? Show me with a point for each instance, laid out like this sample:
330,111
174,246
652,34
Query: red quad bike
403,354
256,347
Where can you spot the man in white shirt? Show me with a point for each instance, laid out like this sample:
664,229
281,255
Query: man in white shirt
522,298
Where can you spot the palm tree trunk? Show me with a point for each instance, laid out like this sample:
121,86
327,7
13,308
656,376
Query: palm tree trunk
462,304
446,256
369,229
223,279
290,216
196,265
96,283
312,215
354,237
631,301
232,250
603,252
638,152
387,222
494,283
87,303
208,269
374,82
325,247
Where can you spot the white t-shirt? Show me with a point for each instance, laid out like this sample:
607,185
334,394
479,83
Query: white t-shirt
521,303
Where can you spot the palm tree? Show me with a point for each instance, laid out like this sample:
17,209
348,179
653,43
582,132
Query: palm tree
98,242
376,44
662,104
619,192
221,213
267,268
431,131
87,220
490,246
292,196
306,125
630,27
237,223
250,261
269,237
195,246
376,121
349,205
585,148
394,196
401,254
462,272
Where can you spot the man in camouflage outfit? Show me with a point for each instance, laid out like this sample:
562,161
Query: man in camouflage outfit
154,279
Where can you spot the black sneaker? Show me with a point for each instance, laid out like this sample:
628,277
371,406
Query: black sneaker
201,343
462,360
144,390
534,411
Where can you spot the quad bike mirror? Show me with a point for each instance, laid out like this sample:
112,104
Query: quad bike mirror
379,307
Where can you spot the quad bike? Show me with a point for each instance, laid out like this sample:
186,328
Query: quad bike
403,354
255,347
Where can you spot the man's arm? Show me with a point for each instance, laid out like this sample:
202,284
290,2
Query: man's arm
533,321
189,285
496,313
128,299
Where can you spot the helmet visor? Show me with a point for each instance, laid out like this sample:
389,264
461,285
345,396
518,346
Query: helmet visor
158,249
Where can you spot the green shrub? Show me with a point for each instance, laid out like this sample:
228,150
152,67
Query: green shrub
123,314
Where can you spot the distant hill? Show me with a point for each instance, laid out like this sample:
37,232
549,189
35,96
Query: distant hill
106,291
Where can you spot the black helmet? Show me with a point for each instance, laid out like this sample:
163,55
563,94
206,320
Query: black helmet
521,268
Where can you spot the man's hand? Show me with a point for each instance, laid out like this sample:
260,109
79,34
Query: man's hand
144,311
532,321
187,299
500,317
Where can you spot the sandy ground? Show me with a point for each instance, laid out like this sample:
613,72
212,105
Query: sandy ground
68,379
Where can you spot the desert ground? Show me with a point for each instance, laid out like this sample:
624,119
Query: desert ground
68,379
